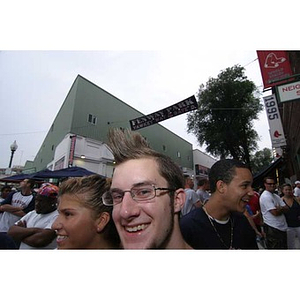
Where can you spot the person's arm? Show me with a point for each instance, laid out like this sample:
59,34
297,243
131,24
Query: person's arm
279,210
34,237
15,210
20,231
275,206
258,216
251,222
41,237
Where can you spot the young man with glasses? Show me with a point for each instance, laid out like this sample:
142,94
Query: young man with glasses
272,209
147,194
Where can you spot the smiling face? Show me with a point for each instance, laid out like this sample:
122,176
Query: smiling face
270,185
238,192
287,191
76,225
142,225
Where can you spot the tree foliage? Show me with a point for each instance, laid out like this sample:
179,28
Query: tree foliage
227,107
261,159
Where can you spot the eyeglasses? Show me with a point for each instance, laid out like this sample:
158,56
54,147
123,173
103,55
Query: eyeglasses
139,194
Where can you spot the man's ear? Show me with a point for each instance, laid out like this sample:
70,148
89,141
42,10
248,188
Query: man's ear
102,221
179,200
221,186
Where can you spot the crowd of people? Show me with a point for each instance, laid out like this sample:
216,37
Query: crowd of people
150,204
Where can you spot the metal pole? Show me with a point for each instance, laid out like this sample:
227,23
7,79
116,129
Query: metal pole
11,158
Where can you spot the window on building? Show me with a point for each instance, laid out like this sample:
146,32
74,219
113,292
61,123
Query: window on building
178,154
59,164
92,119
164,148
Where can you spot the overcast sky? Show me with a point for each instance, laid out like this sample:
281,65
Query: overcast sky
190,42
34,84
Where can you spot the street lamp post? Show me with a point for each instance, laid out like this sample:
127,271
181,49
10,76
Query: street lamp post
13,148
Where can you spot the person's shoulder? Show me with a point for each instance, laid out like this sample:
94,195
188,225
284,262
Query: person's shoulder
276,196
201,192
190,192
30,214
195,220
13,194
193,215
52,214
256,194
265,194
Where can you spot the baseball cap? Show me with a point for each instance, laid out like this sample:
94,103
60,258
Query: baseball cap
48,190
296,182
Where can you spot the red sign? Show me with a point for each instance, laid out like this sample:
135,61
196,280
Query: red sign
72,150
274,66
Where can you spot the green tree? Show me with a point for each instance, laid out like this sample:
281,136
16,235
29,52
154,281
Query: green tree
227,106
261,159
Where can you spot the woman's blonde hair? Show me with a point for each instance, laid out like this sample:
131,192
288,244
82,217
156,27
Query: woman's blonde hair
89,191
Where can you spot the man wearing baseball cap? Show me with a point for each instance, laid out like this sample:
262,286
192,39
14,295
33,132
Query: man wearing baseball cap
297,190
33,231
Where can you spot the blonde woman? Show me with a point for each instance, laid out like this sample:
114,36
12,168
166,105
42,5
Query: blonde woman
84,222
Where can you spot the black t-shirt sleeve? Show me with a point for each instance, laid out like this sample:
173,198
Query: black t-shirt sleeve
30,207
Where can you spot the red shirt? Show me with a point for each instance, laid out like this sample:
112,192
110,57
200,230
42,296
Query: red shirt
254,205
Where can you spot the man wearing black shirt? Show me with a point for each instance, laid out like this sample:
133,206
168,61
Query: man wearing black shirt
220,223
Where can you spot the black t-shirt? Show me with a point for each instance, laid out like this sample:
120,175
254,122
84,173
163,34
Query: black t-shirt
293,214
199,233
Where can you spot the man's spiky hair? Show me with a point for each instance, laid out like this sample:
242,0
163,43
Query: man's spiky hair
126,144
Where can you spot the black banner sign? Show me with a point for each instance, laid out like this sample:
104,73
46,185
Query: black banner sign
164,114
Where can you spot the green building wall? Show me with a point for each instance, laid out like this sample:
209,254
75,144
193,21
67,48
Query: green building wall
86,98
